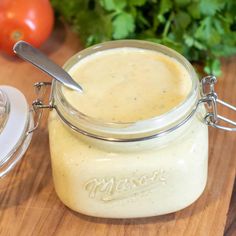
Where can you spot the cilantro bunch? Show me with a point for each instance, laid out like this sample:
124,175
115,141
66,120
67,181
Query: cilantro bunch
201,30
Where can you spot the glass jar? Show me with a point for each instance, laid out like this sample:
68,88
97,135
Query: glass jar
123,170
118,170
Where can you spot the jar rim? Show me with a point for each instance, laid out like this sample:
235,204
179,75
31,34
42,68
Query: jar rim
141,127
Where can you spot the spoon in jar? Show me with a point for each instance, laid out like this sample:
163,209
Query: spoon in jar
27,52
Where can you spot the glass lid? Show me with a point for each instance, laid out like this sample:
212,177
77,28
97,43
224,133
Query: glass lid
15,121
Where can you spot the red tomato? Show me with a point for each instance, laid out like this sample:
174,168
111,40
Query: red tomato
28,20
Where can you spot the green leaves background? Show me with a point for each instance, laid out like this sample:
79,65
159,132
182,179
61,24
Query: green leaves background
201,30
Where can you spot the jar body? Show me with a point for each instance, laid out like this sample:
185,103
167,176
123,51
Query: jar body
130,179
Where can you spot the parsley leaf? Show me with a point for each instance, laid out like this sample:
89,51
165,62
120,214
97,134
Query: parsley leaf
209,7
111,5
123,25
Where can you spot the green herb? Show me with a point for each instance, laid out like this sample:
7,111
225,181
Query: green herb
201,30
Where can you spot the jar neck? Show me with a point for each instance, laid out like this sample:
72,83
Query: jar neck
129,132
133,131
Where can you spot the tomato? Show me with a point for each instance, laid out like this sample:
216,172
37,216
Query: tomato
28,20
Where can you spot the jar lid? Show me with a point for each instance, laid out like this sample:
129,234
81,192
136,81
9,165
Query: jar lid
15,121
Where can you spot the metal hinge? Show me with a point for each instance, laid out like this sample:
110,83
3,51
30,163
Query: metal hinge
38,104
210,98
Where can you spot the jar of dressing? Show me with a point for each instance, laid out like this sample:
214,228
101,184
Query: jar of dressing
135,142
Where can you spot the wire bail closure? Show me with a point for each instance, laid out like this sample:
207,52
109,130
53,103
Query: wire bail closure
38,104
209,96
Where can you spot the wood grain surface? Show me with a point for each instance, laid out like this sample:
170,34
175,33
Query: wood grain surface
230,228
28,202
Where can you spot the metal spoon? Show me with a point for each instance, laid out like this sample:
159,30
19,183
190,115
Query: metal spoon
27,52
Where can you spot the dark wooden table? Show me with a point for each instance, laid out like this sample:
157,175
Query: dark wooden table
29,205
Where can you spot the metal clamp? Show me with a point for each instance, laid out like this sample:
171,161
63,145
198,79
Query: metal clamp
38,104
209,96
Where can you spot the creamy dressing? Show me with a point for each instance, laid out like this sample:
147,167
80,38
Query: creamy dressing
128,84
129,179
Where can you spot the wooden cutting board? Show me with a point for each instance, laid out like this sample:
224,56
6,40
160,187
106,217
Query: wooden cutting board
28,202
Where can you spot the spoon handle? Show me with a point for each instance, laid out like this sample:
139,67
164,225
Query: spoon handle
38,59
